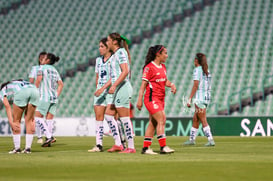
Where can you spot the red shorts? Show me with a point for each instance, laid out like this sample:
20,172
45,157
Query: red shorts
155,105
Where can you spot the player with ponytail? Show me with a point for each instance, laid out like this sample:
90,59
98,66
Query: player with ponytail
154,81
121,91
50,86
201,89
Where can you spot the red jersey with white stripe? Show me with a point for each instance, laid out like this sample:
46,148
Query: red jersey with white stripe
156,77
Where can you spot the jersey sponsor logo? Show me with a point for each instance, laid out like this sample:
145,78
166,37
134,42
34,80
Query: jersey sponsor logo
160,80
103,73
144,75
155,105
146,69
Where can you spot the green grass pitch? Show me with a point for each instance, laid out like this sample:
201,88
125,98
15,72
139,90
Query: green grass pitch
233,158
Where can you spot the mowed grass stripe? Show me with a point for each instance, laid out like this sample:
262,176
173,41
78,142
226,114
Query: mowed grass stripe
233,158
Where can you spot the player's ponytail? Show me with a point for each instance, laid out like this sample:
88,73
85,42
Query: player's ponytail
53,58
152,53
202,60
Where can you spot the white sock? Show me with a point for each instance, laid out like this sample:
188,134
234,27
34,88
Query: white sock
29,139
16,141
50,125
38,129
99,132
114,128
193,133
208,133
43,126
128,131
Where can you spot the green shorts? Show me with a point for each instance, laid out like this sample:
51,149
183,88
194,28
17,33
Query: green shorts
45,107
26,96
201,104
122,95
102,100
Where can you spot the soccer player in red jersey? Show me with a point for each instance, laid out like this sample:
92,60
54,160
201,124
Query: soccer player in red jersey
154,81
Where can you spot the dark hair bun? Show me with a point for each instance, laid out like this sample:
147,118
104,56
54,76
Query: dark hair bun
57,59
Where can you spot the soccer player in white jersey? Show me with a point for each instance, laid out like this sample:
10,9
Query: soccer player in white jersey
50,86
32,78
101,98
121,91
25,98
201,89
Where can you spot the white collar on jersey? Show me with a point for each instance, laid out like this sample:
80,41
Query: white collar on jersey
158,66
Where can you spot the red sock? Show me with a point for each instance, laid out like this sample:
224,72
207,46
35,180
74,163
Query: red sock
162,140
147,141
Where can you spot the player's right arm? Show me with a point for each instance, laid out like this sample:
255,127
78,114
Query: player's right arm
105,86
140,94
9,114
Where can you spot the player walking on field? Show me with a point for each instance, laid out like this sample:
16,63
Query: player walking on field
25,98
154,81
201,89
121,92
50,86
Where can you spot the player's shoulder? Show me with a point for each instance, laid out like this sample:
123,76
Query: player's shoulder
197,69
121,52
99,58
148,67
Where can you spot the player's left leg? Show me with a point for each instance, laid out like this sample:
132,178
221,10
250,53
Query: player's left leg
201,114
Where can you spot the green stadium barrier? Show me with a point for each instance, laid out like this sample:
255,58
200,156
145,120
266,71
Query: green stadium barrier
264,86
220,126
240,93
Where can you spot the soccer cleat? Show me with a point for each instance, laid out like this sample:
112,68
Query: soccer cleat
210,143
166,150
40,140
148,151
27,151
189,142
115,148
15,151
97,148
53,139
128,150
47,143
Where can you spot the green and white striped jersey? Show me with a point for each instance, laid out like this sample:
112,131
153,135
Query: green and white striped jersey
49,84
102,68
203,93
13,87
119,57
33,72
